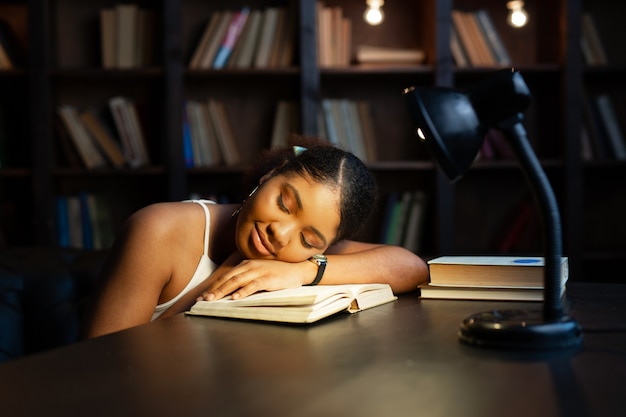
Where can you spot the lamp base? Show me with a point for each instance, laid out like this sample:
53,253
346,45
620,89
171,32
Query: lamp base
519,329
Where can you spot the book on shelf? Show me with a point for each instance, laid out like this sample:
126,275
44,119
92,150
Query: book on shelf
475,41
108,38
130,131
404,219
204,142
334,36
89,153
462,26
126,36
298,305
491,35
510,278
235,26
224,132
268,36
243,53
367,54
126,17
479,39
347,124
97,128
208,35
285,123
365,117
611,125
216,37
591,44
84,221
457,50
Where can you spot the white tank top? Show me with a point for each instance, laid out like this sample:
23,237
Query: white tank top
205,266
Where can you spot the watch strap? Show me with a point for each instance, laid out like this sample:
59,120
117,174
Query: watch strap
321,261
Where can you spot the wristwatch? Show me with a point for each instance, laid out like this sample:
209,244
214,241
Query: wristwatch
321,262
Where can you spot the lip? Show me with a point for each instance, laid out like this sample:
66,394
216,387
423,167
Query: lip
259,242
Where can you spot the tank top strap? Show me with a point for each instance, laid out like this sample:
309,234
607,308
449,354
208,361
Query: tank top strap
207,223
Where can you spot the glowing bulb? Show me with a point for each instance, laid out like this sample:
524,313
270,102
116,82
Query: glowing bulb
517,14
374,14
420,134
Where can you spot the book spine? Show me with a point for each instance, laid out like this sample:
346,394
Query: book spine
232,36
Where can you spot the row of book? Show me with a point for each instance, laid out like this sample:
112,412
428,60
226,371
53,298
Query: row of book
208,136
475,42
246,38
87,134
602,136
506,278
348,124
334,36
84,221
126,36
403,221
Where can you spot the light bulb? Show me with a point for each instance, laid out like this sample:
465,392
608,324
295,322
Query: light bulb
517,14
374,14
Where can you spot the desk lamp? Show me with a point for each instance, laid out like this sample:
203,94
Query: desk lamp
453,124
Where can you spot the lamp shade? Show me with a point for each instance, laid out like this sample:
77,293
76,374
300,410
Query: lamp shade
446,122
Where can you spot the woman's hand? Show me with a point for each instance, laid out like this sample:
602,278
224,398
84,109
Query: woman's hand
254,275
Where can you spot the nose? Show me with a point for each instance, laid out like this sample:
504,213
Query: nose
280,233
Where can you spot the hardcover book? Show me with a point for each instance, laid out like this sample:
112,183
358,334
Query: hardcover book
491,271
504,278
298,305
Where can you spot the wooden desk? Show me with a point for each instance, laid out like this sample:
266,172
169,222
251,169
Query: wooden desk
400,359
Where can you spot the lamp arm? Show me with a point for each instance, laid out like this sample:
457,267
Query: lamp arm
514,131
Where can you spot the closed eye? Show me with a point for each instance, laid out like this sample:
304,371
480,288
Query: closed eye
281,204
305,243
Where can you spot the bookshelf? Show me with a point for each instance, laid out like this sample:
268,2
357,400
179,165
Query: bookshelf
63,67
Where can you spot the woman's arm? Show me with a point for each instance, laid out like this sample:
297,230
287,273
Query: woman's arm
349,262
359,262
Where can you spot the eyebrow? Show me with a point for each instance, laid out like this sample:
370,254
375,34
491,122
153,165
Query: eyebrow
296,195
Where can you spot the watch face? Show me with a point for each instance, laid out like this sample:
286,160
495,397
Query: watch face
319,258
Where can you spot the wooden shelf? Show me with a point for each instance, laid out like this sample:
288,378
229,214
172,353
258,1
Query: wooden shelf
64,67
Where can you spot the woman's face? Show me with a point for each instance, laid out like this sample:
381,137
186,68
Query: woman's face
289,218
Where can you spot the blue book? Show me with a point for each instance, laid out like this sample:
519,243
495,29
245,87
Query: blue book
232,36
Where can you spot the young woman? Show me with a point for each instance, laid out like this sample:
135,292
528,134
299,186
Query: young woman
311,202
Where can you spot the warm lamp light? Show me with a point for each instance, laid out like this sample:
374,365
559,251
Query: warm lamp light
374,14
452,124
517,17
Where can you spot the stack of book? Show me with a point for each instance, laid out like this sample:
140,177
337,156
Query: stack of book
475,42
246,38
126,36
508,278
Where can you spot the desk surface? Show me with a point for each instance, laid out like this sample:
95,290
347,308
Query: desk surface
399,359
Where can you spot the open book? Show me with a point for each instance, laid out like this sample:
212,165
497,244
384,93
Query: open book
298,305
